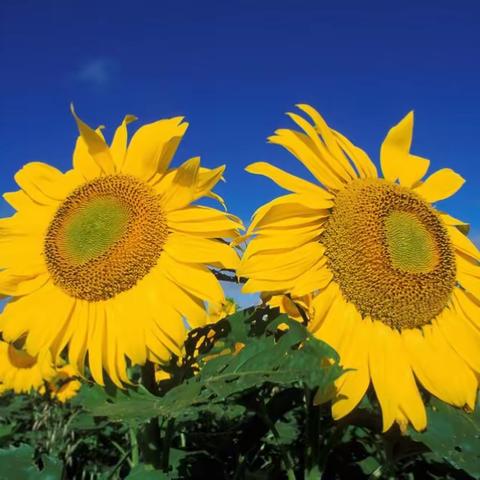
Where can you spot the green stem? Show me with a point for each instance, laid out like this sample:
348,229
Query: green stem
169,431
134,445
150,441
287,459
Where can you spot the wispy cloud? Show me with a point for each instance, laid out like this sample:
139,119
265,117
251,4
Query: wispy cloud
97,72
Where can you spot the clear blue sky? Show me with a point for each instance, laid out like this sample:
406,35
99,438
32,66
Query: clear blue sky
233,68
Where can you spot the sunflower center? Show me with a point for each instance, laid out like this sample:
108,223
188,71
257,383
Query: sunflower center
410,244
390,253
94,228
105,237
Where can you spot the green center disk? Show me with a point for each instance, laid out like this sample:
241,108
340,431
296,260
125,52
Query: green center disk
94,228
411,246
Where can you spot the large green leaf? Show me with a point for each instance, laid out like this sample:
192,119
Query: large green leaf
453,435
17,464
283,359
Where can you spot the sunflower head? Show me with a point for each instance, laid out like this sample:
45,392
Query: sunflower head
22,372
64,385
396,284
109,261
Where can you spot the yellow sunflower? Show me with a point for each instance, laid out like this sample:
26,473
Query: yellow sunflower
22,372
109,257
397,283
65,384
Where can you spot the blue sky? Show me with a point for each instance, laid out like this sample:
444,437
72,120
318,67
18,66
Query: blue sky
233,68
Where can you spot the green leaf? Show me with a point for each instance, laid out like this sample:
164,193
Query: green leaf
283,359
17,464
453,435
6,430
146,472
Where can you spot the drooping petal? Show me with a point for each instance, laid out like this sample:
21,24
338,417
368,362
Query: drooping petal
461,335
439,368
393,380
351,386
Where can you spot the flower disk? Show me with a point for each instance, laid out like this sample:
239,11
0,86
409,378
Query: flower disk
105,237
389,253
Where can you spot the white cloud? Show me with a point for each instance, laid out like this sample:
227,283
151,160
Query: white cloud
97,72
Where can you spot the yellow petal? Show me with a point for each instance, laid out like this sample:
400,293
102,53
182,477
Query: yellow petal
322,303
290,210
282,243
466,303
470,280
196,279
16,283
207,178
182,190
352,385
315,279
440,185
366,168
20,201
440,370
95,341
412,170
45,184
462,243
203,221
187,305
123,308
118,148
393,380
190,249
96,146
302,147
287,180
461,335
282,267
396,147
153,146
83,162
326,147
78,345
449,220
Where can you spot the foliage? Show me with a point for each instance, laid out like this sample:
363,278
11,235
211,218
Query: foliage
234,413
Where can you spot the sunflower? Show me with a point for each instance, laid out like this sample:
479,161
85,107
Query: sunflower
397,283
108,258
64,385
22,372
